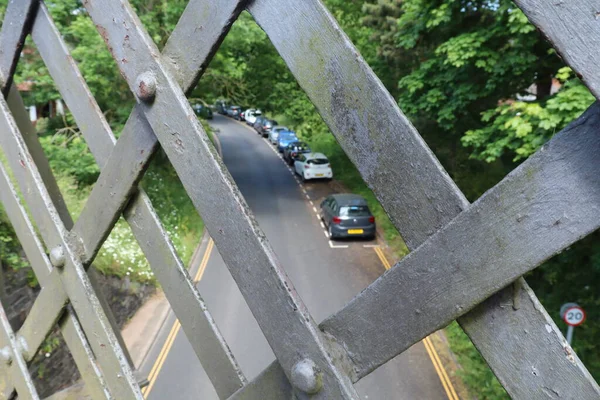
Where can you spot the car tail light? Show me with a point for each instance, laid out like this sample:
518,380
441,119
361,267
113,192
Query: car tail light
328,166
294,154
306,166
372,219
336,220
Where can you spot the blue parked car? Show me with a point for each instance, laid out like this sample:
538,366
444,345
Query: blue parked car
285,138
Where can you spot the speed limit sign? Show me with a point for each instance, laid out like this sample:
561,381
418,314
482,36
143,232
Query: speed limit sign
574,316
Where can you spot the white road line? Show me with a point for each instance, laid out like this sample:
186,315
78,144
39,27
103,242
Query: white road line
307,196
318,216
334,246
314,208
322,224
326,235
312,204
369,246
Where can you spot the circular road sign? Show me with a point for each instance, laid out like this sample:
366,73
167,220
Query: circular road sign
574,316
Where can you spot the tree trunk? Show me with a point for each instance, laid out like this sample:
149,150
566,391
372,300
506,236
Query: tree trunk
543,86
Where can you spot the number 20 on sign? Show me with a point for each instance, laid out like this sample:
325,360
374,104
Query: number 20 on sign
574,316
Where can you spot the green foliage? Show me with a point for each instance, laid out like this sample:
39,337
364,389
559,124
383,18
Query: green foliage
10,250
520,128
474,371
69,154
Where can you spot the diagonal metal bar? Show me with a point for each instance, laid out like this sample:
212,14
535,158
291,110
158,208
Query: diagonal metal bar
13,358
79,347
543,206
572,28
276,306
393,159
17,24
34,250
42,317
75,280
138,137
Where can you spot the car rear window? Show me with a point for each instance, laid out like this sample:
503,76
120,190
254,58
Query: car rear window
287,136
318,161
355,211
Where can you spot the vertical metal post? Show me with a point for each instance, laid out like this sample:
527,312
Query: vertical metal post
570,330
2,288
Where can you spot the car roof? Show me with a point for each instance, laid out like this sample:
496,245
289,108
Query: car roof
315,155
349,199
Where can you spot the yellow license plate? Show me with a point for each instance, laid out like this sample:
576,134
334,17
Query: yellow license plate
355,231
319,174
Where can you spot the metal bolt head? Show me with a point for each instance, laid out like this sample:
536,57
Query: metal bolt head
5,355
57,256
307,376
145,86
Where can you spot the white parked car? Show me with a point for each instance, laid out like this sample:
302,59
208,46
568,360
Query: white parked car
250,115
313,166
274,134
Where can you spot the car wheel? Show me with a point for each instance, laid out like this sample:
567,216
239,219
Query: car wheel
330,233
303,177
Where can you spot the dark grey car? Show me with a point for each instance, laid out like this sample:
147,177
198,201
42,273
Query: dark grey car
347,215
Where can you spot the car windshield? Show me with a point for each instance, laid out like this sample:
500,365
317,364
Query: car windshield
286,136
318,161
355,211
298,145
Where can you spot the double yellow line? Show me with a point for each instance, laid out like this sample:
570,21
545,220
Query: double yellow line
439,368
162,356
433,355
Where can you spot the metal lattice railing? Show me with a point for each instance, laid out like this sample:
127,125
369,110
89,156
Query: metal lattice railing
464,255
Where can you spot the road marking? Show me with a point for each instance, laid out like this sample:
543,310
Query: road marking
319,216
204,261
435,359
322,224
439,368
382,257
307,196
164,352
337,246
370,246
326,235
314,208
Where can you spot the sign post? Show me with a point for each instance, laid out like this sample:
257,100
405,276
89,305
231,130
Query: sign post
574,316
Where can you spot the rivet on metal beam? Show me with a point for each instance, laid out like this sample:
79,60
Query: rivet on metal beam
57,256
23,347
5,355
307,376
145,86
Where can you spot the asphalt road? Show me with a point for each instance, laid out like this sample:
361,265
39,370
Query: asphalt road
325,277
